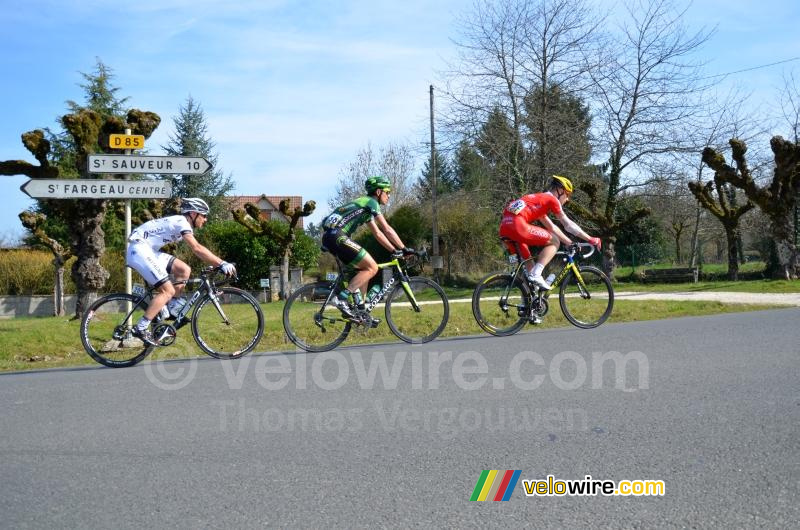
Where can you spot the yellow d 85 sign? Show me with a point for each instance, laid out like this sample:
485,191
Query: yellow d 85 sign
126,141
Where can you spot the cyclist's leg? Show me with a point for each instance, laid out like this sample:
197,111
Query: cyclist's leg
180,272
353,255
152,266
517,231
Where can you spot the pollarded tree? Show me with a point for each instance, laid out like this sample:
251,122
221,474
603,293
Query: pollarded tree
777,200
87,131
268,229
715,196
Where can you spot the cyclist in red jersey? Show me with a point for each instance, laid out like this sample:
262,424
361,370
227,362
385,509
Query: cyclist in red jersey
517,225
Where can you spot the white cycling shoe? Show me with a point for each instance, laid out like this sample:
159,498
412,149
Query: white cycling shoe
539,281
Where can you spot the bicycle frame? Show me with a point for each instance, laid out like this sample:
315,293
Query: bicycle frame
206,286
569,266
338,283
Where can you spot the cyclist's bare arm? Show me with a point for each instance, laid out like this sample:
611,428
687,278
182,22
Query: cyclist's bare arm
202,252
394,239
572,227
551,226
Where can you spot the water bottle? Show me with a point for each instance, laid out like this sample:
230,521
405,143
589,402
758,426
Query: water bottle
373,293
175,306
164,312
550,278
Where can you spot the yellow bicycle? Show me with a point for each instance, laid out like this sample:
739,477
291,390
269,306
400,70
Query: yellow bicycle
416,308
503,302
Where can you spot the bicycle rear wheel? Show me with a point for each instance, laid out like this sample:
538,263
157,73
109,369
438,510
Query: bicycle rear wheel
421,318
106,331
228,324
587,304
500,304
310,325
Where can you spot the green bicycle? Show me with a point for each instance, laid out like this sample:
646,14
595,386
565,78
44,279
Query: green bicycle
503,302
416,308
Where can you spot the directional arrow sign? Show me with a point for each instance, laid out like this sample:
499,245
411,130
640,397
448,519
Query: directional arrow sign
97,189
168,165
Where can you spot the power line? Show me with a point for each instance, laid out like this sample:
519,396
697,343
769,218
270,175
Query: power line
752,68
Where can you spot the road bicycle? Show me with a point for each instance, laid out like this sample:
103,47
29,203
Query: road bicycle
504,301
226,322
416,308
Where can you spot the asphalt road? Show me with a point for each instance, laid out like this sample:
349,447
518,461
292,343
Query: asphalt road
397,436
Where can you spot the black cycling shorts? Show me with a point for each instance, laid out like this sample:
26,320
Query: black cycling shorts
340,245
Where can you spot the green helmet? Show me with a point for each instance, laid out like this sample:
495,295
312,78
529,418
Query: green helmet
377,183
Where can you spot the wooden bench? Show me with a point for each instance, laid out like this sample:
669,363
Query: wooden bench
678,275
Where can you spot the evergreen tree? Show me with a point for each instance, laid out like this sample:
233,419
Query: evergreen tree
191,139
446,178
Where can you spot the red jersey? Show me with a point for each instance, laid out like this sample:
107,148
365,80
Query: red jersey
532,207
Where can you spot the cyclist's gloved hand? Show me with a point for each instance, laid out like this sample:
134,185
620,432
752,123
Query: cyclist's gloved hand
408,251
227,268
595,242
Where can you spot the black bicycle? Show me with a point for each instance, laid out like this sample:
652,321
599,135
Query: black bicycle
416,309
226,322
503,302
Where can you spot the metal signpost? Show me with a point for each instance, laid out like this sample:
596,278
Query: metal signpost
265,285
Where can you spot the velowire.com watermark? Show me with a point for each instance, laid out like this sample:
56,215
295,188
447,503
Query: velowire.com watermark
375,370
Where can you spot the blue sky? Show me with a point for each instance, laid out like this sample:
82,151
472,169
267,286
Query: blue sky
291,89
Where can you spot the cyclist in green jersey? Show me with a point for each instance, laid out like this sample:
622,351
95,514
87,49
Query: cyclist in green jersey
340,225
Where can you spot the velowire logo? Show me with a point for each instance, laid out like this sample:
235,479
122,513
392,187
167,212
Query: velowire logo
496,485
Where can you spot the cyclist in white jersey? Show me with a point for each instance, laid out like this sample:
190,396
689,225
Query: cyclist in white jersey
144,256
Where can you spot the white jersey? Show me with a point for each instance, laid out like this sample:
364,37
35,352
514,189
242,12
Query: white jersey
161,231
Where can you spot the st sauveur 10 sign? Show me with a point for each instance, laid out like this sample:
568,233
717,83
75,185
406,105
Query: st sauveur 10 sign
168,165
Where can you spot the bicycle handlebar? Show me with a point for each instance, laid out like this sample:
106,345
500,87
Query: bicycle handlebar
576,247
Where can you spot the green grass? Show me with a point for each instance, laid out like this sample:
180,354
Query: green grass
36,343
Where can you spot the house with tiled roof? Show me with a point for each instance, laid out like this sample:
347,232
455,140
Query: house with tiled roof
269,205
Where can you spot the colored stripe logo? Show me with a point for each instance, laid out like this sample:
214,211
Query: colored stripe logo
496,485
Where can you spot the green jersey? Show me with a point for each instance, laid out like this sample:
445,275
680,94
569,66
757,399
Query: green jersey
350,216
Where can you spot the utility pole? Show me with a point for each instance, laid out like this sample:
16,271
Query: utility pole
436,259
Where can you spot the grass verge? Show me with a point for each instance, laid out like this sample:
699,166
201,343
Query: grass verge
36,343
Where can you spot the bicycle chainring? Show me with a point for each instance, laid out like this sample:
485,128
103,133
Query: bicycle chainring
540,307
165,334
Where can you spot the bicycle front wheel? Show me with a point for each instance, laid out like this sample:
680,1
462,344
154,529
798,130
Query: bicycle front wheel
310,323
500,304
228,323
586,304
106,330
417,311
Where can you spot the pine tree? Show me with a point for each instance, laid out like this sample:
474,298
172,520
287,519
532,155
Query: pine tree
191,139
446,178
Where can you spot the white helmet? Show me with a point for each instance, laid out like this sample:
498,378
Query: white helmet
194,204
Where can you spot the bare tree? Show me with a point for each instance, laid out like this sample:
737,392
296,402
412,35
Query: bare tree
646,94
789,100
393,161
519,59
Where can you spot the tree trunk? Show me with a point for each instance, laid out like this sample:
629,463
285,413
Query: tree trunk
88,244
286,288
678,249
609,257
786,251
733,253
